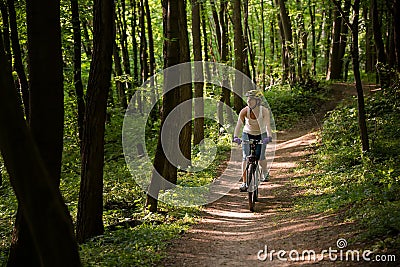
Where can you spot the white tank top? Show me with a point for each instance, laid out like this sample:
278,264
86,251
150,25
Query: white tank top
254,126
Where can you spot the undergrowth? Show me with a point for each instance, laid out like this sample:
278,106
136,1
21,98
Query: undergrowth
289,104
366,185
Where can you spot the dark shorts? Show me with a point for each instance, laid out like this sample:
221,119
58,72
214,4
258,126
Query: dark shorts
260,149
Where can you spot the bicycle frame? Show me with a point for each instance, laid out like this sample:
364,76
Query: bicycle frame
253,172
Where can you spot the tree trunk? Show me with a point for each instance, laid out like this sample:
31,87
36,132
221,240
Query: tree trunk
217,25
380,48
264,56
354,27
143,43
313,40
134,45
76,27
40,202
162,166
90,206
18,65
396,24
239,53
198,130
186,93
43,233
152,60
87,43
246,46
334,69
356,68
369,47
6,30
125,53
287,30
118,71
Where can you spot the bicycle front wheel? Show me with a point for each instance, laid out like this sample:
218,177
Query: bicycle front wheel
252,187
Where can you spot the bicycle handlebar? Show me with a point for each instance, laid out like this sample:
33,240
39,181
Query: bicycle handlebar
252,141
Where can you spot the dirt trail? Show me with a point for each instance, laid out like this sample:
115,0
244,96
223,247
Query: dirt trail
230,235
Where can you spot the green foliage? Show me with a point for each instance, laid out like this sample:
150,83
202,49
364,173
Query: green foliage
366,185
290,104
138,246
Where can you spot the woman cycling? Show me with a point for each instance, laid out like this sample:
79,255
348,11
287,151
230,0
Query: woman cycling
257,125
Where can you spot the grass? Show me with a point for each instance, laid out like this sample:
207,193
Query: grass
365,185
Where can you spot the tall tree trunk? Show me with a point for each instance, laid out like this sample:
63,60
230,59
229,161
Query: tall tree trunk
152,60
343,36
223,51
18,65
162,166
369,47
246,48
217,25
396,24
76,27
143,43
6,30
186,93
239,54
264,56
118,71
198,130
380,48
87,44
46,124
334,69
134,45
125,53
356,68
354,27
90,206
287,30
313,40
48,224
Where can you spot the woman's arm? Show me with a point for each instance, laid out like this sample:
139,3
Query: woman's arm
239,123
267,121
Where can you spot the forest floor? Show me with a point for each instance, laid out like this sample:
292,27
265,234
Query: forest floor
228,234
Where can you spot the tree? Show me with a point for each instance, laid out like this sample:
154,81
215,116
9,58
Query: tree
43,233
198,131
76,27
354,27
163,168
90,206
18,65
285,29
396,18
239,49
334,68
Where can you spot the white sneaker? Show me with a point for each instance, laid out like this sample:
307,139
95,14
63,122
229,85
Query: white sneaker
243,187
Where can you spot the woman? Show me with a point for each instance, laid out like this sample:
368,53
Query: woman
257,125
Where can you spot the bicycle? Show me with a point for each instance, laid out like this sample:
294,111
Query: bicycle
253,172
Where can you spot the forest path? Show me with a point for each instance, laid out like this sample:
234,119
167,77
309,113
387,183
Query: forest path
230,235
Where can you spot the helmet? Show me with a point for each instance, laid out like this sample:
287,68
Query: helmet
254,94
